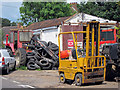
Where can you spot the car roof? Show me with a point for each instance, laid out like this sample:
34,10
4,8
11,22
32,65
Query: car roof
3,49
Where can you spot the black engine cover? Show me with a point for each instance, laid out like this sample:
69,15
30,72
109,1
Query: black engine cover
114,52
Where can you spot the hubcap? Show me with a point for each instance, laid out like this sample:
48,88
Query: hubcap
62,78
78,80
7,69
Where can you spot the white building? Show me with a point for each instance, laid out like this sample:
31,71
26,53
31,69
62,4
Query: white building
49,29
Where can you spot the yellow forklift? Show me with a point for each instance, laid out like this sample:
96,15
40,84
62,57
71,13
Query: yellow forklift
83,65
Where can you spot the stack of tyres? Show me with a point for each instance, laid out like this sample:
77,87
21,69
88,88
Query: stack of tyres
44,55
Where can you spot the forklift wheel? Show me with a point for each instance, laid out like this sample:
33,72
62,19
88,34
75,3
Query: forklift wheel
62,78
78,79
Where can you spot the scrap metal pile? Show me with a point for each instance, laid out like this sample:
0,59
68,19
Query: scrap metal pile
44,55
112,54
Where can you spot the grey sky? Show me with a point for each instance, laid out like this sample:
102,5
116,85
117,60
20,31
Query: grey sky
10,8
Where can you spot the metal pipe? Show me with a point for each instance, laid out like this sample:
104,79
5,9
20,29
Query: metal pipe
87,40
73,32
98,37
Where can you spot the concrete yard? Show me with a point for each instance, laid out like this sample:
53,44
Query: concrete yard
49,79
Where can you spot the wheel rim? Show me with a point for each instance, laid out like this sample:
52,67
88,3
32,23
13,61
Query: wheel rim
62,78
78,80
7,69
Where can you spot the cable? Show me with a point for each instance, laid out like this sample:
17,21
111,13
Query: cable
10,6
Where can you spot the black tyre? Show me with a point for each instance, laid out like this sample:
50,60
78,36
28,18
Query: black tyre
54,68
20,56
31,65
78,79
14,68
43,62
110,73
7,70
52,46
49,43
57,52
30,54
43,53
10,52
48,67
99,82
45,43
106,52
62,78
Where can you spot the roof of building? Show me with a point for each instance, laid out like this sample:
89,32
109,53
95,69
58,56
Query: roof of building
82,17
47,23
57,21
7,29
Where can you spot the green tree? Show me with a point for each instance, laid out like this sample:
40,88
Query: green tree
38,11
1,39
5,22
13,24
107,10
118,33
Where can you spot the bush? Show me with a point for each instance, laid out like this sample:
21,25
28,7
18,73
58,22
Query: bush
22,68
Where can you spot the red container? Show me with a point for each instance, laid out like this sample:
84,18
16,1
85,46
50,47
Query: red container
64,54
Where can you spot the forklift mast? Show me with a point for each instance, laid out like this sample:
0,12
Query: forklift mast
93,35
88,65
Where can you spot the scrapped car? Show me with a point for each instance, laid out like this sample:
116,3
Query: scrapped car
7,62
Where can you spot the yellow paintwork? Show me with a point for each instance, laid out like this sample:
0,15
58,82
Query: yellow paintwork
82,64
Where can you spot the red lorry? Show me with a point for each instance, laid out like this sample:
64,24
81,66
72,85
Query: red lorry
108,36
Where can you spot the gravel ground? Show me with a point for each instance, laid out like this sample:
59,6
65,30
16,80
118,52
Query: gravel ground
50,79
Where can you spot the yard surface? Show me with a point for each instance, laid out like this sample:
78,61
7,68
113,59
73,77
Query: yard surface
50,79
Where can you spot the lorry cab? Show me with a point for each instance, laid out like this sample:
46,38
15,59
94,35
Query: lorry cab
18,38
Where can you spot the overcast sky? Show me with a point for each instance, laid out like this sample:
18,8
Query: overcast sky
10,8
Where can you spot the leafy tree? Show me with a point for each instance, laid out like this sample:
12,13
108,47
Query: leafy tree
108,10
118,3
39,11
118,33
13,24
1,39
7,22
